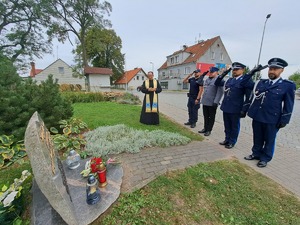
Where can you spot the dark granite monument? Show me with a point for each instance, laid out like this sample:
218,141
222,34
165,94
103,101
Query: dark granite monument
59,194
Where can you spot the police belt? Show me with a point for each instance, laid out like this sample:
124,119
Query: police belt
192,96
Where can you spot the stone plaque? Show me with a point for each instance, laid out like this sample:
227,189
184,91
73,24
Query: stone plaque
47,170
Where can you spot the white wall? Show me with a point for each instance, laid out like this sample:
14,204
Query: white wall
63,78
99,82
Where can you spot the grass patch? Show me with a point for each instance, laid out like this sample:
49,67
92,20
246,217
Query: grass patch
111,113
223,192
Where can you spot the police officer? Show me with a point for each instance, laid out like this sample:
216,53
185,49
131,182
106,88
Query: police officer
235,103
271,109
211,97
194,95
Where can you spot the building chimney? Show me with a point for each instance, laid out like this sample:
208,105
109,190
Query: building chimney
32,71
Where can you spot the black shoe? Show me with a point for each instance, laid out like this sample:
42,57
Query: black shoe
262,164
202,131
207,133
224,143
193,125
229,146
188,123
251,157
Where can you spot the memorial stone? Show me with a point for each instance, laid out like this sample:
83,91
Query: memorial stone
60,194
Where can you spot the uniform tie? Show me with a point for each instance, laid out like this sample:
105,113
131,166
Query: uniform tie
271,83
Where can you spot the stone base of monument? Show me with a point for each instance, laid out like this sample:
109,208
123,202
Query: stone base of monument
44,214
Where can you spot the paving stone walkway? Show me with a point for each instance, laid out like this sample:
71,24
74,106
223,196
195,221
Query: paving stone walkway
143,167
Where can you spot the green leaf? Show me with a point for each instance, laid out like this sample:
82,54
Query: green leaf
4,188
53,130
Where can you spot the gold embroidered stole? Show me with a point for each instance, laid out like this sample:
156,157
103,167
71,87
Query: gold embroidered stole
150,108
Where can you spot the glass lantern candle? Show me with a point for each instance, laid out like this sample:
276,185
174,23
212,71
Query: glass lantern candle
95,162
73,160
92,191
102,175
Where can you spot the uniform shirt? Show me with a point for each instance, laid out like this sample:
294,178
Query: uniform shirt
273,104
194,86
236,97
212,93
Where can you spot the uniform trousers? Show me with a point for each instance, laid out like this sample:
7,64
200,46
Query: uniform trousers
264,136
232,127
209,113
193,110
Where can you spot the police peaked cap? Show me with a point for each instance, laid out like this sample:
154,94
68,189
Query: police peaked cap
277,63
237,65
213,69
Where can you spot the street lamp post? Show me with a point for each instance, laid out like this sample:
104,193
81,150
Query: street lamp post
262,39
152,66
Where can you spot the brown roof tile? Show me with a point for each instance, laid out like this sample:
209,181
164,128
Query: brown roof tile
196,51
97,70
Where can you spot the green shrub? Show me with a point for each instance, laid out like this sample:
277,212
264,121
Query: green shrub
10,152
20,99
71,137
120,138
74,97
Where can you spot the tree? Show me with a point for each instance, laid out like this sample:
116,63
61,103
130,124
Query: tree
20,99
73,16
296,78
103,48
21,29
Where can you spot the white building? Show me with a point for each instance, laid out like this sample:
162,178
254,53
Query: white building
131,79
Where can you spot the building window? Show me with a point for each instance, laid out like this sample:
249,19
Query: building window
61,70
171,72
212,55
187,70
221,56
164,85
172,60
142,77
137,77
176,59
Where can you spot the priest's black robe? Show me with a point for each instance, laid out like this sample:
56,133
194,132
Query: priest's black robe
149,118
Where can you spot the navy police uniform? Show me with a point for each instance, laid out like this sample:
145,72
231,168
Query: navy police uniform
193,93
235,104
271,109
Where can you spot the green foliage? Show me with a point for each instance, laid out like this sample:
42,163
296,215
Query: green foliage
71,137
14,199
296,78
20,99
222,192
10,152
111,113
21,28
120,97
120,138
74,97
78,17
103,48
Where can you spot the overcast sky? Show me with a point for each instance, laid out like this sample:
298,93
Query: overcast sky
153,29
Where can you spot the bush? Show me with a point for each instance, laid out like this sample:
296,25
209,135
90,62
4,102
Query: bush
20,99
120,97
120,138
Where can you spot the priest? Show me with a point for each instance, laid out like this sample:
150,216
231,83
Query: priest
150,88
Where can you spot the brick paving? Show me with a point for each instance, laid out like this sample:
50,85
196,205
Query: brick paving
143,167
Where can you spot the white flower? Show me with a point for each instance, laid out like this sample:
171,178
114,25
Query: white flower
9,198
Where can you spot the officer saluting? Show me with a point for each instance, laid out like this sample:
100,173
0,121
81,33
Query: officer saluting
194,95
271,109
235,103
